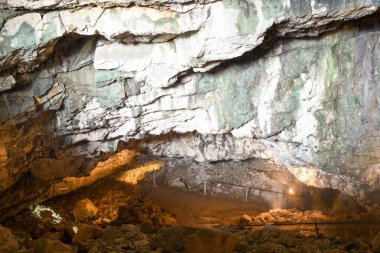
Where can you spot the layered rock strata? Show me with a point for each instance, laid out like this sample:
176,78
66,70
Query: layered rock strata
293,82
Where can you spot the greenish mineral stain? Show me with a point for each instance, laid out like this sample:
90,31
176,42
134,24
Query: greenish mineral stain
329,129
6,14
330,68
356,101
50,28
231,102
247,18
170,24
24,37
291,102
206,85
321,115
272,9
104,77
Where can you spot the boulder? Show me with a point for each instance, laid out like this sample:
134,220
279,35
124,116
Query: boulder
145,219
7,83
267,217
8,242
46,245
315,215
84,210
245,219
84,234
166,220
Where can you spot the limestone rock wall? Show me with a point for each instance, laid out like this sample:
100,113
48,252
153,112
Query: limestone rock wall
293,82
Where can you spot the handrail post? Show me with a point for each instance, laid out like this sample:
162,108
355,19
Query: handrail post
246,195
137,189
283,200
316,229
204,188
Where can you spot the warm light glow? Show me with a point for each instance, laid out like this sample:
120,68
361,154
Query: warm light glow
101,170
133,175
291,191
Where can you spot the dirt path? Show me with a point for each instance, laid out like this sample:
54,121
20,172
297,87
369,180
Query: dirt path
196,210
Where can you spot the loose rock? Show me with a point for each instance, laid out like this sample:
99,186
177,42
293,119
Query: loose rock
8,242
85,233
84,210
45,245
246,219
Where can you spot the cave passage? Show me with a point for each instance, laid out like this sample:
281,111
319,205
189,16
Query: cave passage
167,204
195,126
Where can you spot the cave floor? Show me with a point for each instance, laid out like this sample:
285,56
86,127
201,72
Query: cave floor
189,208
197,210
208,219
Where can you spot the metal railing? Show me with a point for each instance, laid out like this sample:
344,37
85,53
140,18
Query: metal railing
148,183
152,180
247,189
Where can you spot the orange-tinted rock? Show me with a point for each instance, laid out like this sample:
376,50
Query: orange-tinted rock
8,242
84,210
84,234
45,245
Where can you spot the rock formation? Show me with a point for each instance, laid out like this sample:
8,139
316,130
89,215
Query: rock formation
293,82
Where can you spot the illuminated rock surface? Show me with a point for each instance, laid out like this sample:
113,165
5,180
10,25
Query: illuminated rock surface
295,83
129,230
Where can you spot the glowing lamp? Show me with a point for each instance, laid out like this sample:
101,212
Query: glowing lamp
291,191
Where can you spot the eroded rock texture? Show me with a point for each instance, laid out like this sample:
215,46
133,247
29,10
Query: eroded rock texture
293,82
